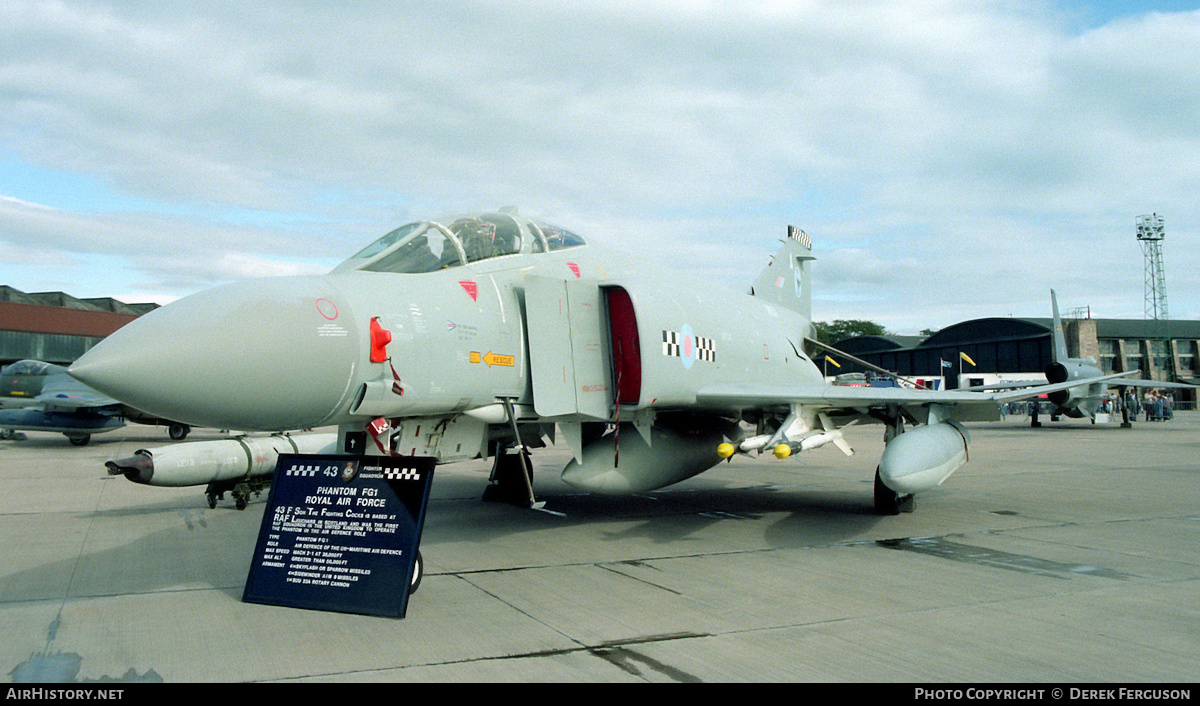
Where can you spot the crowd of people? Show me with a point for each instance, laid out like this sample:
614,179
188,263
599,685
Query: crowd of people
1158,406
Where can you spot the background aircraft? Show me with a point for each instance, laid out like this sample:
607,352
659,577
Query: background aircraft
1082,400
484,334
39,396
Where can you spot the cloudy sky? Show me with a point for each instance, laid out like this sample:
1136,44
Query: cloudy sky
951,159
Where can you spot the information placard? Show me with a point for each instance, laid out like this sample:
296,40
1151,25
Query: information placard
341,533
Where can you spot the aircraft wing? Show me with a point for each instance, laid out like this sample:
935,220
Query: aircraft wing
63,394
1154,383
961,404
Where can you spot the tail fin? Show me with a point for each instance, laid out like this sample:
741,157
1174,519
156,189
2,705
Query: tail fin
786,281
1059,351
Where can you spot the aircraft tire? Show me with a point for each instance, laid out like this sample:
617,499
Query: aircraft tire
418,573
81,440
177,431
888,501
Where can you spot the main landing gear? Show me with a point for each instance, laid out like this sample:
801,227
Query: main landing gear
511,479
512,473
888,501
241,490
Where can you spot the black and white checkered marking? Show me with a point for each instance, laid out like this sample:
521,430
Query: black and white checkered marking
674,344
671,343
308,471
401,474
800,237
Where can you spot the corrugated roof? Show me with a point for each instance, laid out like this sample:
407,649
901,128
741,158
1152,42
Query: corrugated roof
66,301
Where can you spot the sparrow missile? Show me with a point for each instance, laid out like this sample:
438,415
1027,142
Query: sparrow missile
201,462
924,457
223,464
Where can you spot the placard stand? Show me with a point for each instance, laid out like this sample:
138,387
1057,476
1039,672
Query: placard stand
341,533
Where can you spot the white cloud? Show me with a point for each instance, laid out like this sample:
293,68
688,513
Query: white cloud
963,150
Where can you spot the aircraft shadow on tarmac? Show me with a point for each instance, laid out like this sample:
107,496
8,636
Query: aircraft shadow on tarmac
806,517
213,548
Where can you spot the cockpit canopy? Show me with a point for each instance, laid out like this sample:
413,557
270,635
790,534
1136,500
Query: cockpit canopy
29,367
429,246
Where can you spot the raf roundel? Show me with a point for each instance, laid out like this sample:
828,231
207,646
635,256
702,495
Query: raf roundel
688,347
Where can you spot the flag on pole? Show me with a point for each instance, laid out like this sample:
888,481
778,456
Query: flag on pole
831,360
967,358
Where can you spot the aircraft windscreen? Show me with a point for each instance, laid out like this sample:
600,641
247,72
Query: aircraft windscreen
426,250
386,241
558,238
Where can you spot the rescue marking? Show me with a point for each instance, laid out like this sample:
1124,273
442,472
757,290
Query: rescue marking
491,359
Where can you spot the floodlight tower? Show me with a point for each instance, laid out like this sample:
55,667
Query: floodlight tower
1150,233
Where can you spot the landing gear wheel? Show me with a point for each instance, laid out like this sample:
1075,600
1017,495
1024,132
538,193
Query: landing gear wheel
508,485
418,572
177,431
888,501
80,440
212,500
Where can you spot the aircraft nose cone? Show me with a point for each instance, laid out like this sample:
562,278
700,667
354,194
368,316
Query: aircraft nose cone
270,355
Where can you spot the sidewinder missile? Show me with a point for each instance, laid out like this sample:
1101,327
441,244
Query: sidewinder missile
831,435
924,457
207,462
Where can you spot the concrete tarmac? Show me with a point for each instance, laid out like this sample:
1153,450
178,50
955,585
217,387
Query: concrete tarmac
1063,554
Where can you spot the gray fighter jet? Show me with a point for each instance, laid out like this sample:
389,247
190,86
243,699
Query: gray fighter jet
40,396
482,335
1083,398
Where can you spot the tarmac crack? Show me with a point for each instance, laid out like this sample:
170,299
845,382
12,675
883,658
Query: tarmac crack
619,653
613,569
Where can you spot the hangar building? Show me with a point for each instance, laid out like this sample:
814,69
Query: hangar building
1016,349
55,327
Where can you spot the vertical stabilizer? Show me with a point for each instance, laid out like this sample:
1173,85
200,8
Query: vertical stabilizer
787,279
1059,351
